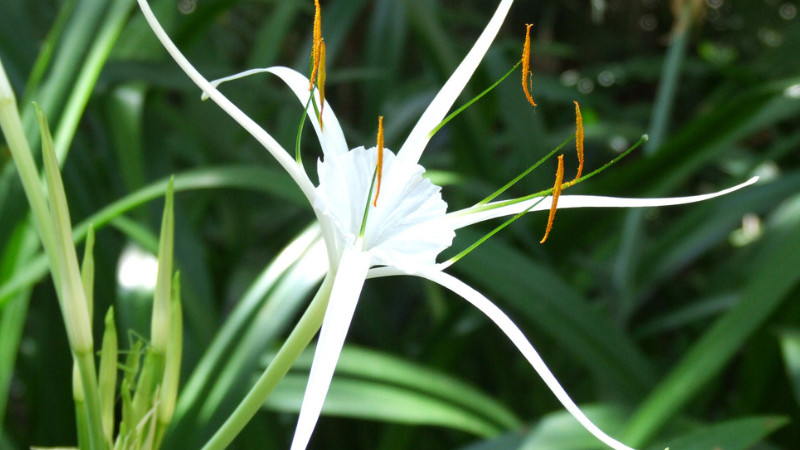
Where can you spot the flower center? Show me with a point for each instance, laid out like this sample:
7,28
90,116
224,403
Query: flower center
407,230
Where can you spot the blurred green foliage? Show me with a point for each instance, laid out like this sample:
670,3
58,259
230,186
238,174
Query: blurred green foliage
678,325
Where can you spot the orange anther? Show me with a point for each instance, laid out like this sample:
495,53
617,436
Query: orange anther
315,44
556,194
380,160
579,139
527,77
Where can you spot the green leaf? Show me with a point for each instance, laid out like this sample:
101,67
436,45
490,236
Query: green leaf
13,313
709,136
790,347
772,275
544,299
740,434
503,442
708,224
560,430
241,177
375,386
223,375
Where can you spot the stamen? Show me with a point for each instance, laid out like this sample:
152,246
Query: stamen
315,44
579,139
318,75
556,193
379,169
321,75
527,77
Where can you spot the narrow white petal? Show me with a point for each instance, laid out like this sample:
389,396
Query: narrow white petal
330,136
412,149
521,342
344,297
469,216
261,135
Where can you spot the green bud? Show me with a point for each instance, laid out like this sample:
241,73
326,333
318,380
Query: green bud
172,367
159,327
87,271
70,284
108,375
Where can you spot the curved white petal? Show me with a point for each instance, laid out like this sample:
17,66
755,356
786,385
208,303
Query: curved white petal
524,346
341,306
407,228
331,137
261,135
412,149
469,216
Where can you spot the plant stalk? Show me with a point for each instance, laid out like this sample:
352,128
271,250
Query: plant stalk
298,340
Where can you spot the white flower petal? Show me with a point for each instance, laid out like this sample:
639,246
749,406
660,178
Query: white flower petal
412,149
330,136
406,229
261,135
469,216
341,306
524,346
344,182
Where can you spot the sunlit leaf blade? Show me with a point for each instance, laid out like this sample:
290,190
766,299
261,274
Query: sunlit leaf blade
375,386
739,434
560,430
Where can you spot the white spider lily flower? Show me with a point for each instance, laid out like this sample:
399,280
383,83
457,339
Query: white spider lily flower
407,226
403,235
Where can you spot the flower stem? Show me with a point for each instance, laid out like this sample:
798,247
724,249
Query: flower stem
525,173
486,207
469,103
366,208
486,237
298,340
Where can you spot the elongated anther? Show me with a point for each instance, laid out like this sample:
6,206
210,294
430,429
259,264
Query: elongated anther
527,78
579,139
315,44
556,194
379,170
